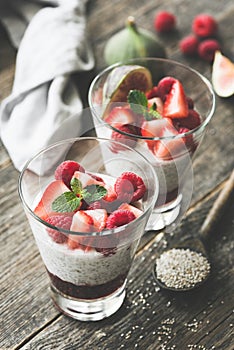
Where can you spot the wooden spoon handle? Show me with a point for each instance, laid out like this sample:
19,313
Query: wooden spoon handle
218,208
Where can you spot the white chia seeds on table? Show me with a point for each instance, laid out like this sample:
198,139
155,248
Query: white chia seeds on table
181,268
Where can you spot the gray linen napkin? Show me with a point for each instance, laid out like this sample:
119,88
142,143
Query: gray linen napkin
44,106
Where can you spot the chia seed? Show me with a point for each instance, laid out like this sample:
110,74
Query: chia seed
181,268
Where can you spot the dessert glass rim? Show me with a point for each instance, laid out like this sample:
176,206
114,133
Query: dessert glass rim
104,232
162,60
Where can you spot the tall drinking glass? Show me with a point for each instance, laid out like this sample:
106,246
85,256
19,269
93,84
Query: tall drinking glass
88,268
170,146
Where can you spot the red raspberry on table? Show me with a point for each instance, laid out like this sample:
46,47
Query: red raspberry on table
204,25
66,170
61,221
129,187
164,22
189,45
207,48
119,218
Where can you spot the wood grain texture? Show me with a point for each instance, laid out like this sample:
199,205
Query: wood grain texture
149,319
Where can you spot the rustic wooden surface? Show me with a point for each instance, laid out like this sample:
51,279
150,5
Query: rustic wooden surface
149,318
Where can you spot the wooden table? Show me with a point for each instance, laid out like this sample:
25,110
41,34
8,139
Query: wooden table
149,318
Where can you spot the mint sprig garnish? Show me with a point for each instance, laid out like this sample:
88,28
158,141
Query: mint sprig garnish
70,201
139,104
66,202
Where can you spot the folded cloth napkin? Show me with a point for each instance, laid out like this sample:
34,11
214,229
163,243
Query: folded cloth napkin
44,106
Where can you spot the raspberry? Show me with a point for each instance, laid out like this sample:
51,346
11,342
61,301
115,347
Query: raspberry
119,218
164,22
66,170
192,121
125,139
207,48
164,87
60,221
189,45
129,187
204,25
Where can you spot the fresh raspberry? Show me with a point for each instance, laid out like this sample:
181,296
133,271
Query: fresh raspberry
122,138
204,25
189,45
66,170
129,187
192,121
119,218
61,222
207,48
164,22
164,86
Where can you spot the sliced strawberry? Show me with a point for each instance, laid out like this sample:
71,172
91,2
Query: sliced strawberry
120,116
176,105
86,179
155,128
86,221
169,149
53,190
164,86
125,206
66,170
158,102
152,92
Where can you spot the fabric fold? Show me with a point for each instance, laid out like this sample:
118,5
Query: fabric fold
45,106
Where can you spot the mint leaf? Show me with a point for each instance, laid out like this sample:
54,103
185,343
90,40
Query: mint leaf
139,104
66,202
93,193
138,101
76,185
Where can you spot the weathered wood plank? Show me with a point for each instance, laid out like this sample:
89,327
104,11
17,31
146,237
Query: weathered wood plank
26,308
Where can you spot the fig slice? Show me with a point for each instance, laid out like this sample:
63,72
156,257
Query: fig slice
223,75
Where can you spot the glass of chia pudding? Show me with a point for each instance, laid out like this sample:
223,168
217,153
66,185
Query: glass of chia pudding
160,108
87,223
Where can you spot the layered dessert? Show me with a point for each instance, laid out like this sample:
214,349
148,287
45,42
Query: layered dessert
86,238
157,120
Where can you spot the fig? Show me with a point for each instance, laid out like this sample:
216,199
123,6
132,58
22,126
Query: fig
132,42
222,75
121,80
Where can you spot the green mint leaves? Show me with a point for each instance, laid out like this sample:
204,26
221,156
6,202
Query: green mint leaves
66,202
139,104
70,201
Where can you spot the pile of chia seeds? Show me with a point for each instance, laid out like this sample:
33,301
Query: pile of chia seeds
181,268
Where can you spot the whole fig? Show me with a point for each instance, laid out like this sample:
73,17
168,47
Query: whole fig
132,42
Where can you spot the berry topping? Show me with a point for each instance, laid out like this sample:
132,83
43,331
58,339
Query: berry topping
86,179
152,92
60,221
66,170
119,116
119,218
124,139
164,22
207,49
204,25
164,86
176,105
129,187
125,206
53,190
192,121
189,45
